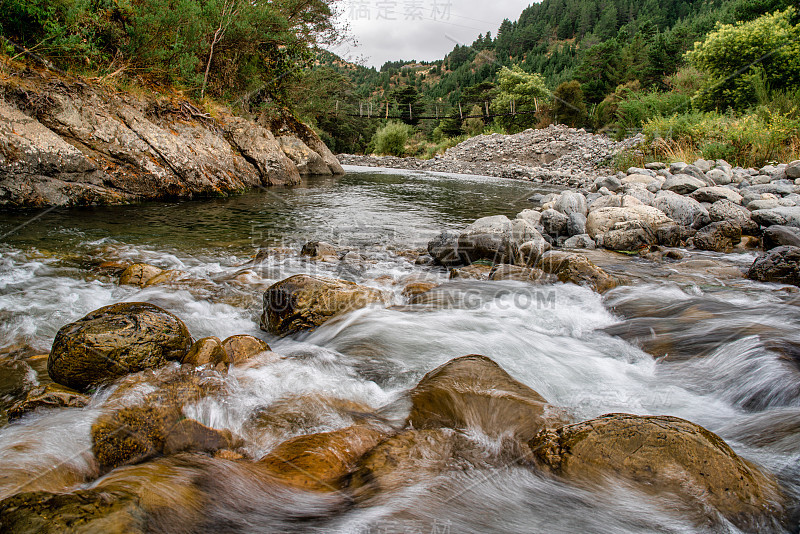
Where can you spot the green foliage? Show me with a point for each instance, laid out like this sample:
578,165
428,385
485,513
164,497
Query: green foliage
739,58
568,105
520,88
639,107
749,140
391,139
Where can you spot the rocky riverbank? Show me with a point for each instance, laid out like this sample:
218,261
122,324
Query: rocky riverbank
555,155
65,141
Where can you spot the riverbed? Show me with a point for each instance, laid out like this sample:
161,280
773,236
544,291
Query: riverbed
692,339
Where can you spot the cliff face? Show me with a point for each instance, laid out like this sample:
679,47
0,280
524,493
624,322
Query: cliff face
66,142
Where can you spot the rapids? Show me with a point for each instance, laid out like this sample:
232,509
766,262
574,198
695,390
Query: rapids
721,351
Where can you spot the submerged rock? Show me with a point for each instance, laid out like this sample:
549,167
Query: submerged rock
139,274
473,392
662,454
48,397
304,302
242,347
320,250
115,341
476,271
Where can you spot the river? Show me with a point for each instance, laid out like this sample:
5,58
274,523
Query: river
726,349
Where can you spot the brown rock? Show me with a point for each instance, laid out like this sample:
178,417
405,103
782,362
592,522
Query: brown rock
290,415
576,269
417,287
320,250
515,272
242,347
47,397
139,274
115,341
318,462
473,392
475,271
170,275
662,454
207,350
304,302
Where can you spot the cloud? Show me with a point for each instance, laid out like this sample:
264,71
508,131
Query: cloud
424,30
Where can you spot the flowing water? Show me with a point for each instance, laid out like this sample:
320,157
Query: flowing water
691,339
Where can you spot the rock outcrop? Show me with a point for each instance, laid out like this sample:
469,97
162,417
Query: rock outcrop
67,142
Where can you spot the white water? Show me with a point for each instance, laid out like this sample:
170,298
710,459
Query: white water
551,338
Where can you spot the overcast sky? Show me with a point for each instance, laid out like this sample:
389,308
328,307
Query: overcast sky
425,30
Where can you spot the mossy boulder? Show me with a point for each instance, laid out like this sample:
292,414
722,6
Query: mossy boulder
304,302
115,341
473,392
658,454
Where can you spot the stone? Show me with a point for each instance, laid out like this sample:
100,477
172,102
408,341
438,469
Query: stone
417,287
475,271
505,271
576,224
473,392
320,462
723,210
114,341
793,170
204,351
576,269
570,202
487,238
713,194
683,184
703,165
662,454
242,347
612,183
629,236
138,274
580,241
533,217
685,211
780,264
531,251
320,250
306,159
783,216
48,397
719,176
602,220
304,302
554,223
693,171
674,235
444,248
644,195
164,277
777,235
718,236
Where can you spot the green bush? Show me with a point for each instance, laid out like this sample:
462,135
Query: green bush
639,107
391,139
739,58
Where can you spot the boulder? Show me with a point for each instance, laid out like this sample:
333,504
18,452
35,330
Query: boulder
784,216
487,238
576,225
683,184
139,274
319,462
295,414
713,194
444,248
612,183
576,269
531,251
554,223
685,211
630,236
674,235
602,220
304,302
48,397
793,170
718,236
693,171
719,176
417,287
164,277
473,392
320,250
724,210
207,350
781,265
115,341
307,160
704,165
662,454
570,202
615,201
645,196
242,347
777,235
580,241
533,217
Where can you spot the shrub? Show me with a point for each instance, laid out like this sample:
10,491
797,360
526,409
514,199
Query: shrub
391,139
569,106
